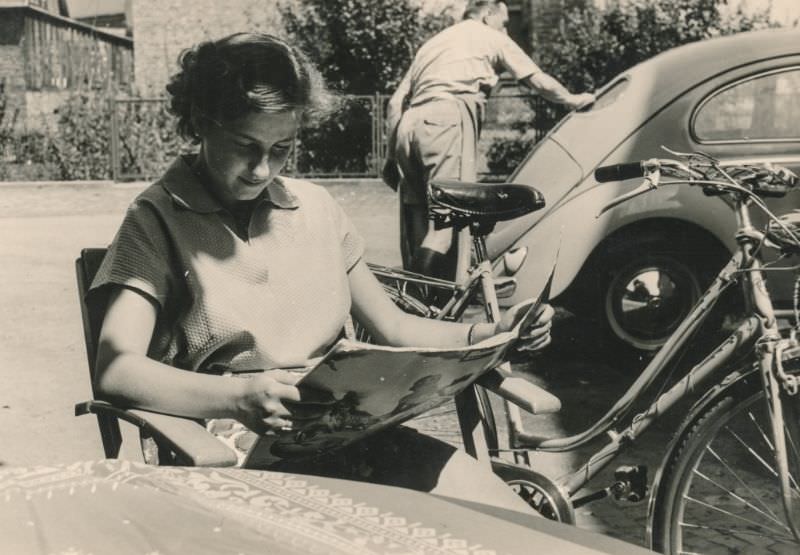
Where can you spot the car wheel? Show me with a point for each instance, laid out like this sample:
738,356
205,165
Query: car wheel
647,297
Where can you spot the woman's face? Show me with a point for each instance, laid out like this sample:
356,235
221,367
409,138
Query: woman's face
242,156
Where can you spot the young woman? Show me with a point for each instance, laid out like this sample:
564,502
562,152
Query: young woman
224,266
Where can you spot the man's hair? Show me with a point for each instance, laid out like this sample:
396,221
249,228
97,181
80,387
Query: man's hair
477,8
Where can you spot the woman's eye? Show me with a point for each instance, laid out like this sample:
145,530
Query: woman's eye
281,149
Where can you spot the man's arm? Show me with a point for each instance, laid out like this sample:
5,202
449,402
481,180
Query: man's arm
549,87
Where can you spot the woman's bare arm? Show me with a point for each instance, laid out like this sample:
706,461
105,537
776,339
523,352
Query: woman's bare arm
391,326
126,376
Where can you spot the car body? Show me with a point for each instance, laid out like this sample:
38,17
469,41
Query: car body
736,98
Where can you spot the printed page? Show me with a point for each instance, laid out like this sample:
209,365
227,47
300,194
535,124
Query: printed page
360,388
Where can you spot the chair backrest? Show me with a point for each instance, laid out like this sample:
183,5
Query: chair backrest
86,267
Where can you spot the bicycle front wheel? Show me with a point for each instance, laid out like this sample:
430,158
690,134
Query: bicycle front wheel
720,489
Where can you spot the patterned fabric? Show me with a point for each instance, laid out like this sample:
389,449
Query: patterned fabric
123,507
276,295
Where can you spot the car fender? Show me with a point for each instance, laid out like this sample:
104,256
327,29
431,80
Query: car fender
570,233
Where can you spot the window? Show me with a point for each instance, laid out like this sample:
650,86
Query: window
761,108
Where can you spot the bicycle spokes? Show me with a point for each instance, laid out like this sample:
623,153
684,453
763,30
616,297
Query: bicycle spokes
782,398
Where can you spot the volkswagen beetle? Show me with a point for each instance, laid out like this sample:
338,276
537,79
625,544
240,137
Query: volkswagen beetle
640,266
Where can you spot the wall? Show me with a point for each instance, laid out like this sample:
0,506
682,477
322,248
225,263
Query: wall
12,74
163,28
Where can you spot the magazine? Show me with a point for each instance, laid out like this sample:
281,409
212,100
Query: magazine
360,388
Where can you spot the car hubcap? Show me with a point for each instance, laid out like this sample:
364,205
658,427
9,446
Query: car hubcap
645,303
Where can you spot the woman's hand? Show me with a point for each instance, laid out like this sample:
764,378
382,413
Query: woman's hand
535,335
260,403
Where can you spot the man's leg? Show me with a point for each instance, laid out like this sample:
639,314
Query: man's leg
413,228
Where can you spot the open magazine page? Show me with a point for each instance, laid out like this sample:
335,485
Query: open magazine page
371,387
366,388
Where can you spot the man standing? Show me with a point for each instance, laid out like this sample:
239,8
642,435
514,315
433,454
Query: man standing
434,120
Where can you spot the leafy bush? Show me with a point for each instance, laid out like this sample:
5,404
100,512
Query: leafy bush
362,47
25,156
341,144
148,140
81,144
593,45
81,149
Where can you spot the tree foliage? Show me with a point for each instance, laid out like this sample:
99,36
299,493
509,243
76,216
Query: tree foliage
361,46
593,45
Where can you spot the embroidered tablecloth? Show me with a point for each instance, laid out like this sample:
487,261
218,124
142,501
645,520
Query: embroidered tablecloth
119,507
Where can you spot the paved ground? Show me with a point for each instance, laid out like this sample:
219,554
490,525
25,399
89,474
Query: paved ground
43,367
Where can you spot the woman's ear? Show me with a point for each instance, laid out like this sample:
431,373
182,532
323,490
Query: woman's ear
199,125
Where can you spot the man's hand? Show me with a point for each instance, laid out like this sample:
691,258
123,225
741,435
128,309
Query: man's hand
391,174
535,335
582,100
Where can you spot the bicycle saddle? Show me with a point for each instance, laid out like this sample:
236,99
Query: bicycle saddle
462,203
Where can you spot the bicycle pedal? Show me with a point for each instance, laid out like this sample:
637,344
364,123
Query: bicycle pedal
630,483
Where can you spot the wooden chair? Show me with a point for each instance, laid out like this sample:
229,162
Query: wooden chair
180,441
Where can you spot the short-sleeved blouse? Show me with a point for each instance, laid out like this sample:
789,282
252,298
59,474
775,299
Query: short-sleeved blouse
273,297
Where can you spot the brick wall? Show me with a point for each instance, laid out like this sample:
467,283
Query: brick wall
163,28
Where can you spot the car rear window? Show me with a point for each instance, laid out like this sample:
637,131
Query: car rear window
765,107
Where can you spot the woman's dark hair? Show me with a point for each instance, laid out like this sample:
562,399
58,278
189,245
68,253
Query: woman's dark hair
244,72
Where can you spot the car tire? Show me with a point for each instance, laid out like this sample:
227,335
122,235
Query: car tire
642,292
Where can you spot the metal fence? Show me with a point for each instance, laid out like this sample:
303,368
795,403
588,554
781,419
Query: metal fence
351,144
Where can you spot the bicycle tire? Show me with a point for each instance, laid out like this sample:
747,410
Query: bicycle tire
718,491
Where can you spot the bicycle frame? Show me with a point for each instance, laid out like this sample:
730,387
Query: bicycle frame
759,329
761,324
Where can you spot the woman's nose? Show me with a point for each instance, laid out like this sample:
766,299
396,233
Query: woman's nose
261,169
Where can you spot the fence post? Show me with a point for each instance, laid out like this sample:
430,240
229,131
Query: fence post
377,127
115,157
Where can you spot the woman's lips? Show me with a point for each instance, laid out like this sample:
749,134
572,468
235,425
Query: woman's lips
253,182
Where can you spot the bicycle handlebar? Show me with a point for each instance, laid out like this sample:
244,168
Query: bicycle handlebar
619,172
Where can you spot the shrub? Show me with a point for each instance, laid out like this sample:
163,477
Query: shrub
341,144
593,45
362,47
147,138
81,145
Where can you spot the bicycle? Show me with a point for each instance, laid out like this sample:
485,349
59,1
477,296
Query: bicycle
740,439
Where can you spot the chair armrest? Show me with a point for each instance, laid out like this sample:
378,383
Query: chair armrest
526,395
192,444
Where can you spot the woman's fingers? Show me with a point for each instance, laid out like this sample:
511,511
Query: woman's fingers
276,424
535,345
